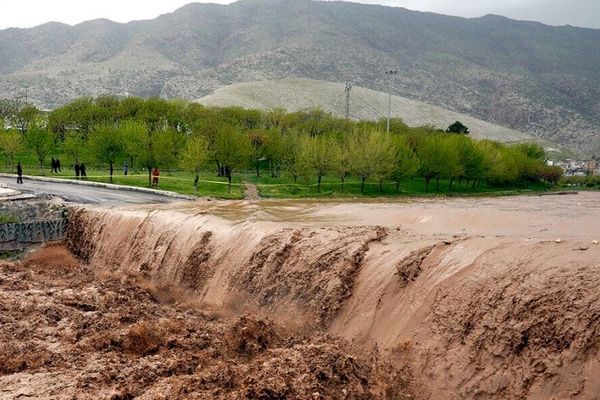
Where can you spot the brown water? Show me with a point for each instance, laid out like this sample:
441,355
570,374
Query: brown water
489,298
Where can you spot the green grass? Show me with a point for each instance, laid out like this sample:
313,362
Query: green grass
283,187
8,219
331,187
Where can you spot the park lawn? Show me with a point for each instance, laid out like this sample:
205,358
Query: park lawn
284,187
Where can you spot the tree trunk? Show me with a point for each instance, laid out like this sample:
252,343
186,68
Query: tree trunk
196,181
319,183
257,172
473,184
427,184
343,178
111,171
451,182
397,185
362,185
149,176
229,182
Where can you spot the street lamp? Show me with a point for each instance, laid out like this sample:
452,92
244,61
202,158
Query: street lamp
390,74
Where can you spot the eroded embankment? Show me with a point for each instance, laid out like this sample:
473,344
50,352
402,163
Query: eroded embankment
478,317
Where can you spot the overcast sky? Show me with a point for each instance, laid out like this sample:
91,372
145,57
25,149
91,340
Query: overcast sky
27,13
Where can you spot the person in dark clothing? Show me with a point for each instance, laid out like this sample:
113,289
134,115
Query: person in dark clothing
125,168
19,172
82,171
53,165
58,165
77,170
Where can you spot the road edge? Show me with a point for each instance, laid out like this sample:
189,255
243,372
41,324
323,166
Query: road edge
165,193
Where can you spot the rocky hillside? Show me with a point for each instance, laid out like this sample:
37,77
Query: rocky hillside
522,75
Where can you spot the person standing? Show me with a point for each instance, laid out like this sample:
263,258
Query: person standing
19,172
82,171
58,165
125,168
77,170
53,165
155,176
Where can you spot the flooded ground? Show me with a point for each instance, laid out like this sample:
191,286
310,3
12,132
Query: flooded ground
463,298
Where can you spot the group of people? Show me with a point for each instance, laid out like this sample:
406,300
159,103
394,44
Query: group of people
55,165
80,171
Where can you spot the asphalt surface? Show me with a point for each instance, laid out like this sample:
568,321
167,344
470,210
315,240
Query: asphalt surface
86,194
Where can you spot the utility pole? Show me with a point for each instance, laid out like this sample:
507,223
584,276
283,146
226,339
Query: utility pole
347,90
390,74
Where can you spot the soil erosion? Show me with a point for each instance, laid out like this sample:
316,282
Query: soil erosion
432,299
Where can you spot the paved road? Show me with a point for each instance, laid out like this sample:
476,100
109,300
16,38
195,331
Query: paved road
86,194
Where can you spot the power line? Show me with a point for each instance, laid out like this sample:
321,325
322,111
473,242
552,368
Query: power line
390,74
347,89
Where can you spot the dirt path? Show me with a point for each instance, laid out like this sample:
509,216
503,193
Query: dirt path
251,191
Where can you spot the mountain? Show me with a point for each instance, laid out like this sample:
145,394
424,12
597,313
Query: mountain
526,76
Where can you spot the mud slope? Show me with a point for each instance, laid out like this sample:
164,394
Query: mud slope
478,293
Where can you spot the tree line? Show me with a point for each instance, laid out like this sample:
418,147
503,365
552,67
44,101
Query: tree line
304,146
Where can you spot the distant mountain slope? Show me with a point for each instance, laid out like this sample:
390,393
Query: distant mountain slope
526,76
298,94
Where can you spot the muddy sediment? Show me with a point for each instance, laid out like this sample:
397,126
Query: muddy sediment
468,298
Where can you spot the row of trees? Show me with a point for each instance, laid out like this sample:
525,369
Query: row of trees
305,146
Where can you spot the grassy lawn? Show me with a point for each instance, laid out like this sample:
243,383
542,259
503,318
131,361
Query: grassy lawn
283,187
331,187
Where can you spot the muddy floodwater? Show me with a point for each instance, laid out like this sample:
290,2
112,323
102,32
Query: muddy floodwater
481,298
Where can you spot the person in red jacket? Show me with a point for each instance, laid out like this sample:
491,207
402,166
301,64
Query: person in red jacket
155,176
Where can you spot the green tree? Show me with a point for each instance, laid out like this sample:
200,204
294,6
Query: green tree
439,159
341,162
39,140
194,156
139,145
471,159
458,127
27,115
169,144
385,158
319,156
407,163
106,145
372,154
74,144
293,164
274,149
232,149
258,140
10,144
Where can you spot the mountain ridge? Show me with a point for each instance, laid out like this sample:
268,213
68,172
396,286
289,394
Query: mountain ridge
540,79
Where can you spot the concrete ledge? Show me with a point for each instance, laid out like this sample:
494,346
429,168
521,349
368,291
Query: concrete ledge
165,193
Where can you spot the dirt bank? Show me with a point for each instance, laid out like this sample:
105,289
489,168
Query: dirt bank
481,298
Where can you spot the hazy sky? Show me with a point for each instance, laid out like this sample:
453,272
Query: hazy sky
27,13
